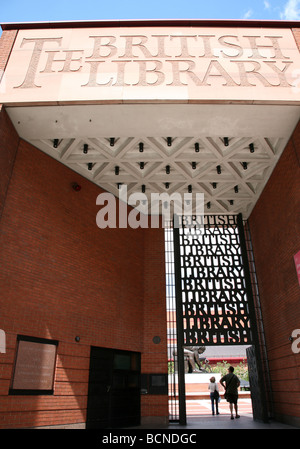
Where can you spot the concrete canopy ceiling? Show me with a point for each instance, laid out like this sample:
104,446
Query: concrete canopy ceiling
267,127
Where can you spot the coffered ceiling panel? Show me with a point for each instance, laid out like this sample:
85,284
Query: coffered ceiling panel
227,152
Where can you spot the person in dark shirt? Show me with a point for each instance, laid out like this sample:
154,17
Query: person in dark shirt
231,383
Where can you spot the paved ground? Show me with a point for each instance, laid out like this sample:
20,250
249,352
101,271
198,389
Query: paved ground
224,422
203,407
199,417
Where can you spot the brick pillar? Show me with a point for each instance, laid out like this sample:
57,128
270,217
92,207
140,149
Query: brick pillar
9,141
275,230
154,357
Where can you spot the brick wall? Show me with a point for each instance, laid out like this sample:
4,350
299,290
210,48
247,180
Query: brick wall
155,354
275,229
61,276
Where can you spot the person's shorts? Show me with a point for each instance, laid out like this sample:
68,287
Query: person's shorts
232,398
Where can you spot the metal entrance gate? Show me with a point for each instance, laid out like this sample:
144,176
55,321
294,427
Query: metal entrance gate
213,293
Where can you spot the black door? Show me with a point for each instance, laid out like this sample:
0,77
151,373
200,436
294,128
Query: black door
114,389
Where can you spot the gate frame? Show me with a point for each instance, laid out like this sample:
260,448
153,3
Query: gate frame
262,414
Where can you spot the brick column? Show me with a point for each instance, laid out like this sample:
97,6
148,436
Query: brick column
9,141
154,357
274,225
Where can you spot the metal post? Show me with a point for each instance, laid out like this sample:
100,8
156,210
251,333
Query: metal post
179,324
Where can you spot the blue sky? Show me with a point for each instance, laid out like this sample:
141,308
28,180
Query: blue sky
60,10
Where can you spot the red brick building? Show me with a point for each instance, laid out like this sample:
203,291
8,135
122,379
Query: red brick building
68,286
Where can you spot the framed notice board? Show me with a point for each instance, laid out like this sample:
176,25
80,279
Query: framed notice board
34,366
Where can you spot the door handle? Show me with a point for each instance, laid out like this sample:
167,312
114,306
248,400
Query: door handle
108,388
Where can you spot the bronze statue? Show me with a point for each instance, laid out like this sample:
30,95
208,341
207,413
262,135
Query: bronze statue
191,353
